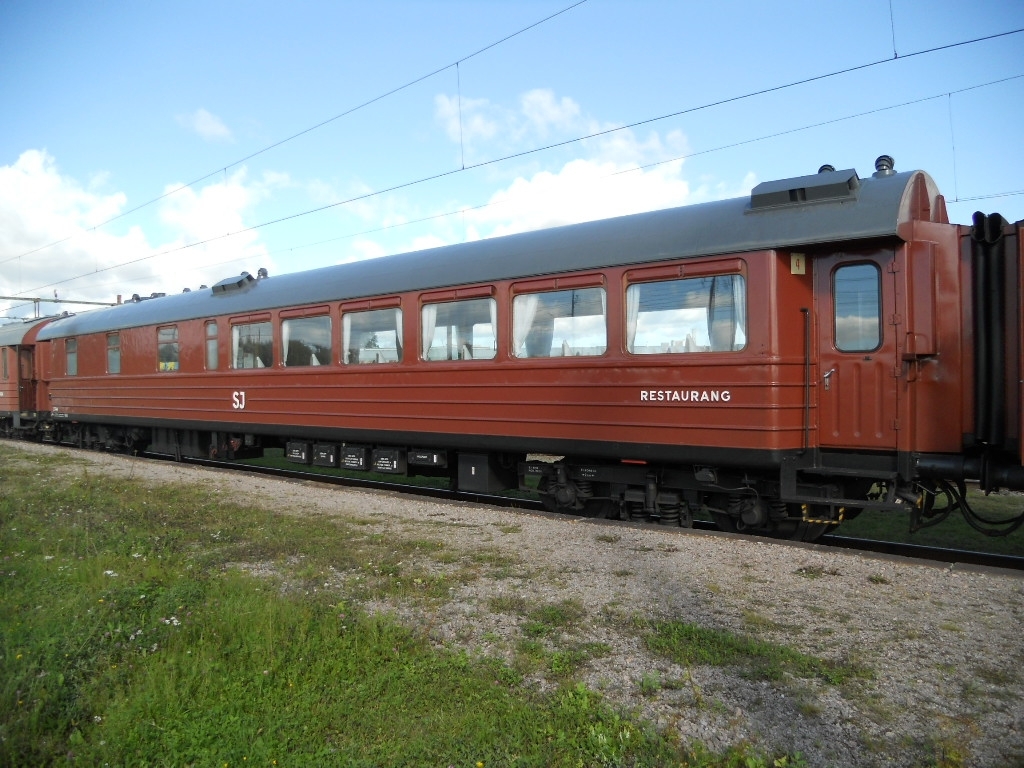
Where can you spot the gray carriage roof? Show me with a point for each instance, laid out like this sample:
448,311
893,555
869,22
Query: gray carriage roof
835,206
12,334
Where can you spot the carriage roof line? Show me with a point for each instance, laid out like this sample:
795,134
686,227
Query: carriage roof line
830,206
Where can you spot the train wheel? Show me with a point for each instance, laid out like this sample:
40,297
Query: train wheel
603,509
810,524
724,522
798,530
792,529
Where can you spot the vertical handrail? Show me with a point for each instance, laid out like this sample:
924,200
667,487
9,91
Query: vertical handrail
807,379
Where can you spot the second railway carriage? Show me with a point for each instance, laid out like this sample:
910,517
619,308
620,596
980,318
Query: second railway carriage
779,360
18,382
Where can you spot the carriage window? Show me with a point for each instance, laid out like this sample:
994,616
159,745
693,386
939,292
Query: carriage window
3,359
167,348
560,323
306,341
459,330
71,357
374,336
252,345
113,353
212,348
857,302
702,314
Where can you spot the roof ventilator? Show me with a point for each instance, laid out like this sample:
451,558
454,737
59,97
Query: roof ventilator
231,284
884,166
827,185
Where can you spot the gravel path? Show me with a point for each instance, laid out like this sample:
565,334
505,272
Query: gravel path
945,645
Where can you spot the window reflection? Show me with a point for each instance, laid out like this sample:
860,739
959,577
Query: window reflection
560,323
374,336
703,314
252,345
459,330
306,341
857,301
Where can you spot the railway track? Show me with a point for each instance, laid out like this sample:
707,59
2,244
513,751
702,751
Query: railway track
917,552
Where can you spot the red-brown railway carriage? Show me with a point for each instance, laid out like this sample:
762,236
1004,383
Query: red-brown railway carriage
779,360
18,383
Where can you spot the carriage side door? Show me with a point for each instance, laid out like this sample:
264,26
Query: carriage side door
857,356
26,380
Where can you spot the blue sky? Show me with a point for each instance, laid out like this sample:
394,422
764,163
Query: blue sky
111,106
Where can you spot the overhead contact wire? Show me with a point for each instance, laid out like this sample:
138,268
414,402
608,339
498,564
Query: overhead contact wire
312,128
484,163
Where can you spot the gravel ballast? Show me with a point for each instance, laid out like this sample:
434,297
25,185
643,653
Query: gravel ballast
944,645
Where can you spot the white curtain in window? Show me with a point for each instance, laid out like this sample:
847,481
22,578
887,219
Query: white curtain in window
428,325
398,332
346,337
236,341
494,322
739,300
524,310
632,314
286,334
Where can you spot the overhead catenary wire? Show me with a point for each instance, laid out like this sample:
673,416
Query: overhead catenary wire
596,134
466,209
485,48
312,128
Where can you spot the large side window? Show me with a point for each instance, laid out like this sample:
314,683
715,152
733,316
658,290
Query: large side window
71,357
701,314
212,346
459,330
113,353
306,341
167,348
252,345
373,336
857,303
560,323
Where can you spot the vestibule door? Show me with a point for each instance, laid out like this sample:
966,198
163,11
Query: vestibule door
857,356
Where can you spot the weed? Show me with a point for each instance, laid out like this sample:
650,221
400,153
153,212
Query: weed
563,663
815,571
691,644
650,683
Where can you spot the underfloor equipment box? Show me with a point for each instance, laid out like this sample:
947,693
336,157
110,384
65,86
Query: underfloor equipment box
299,453
389,461
325,455
354,457
485,473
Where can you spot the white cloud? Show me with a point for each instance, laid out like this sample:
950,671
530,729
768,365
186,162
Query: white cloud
50,238
199,218
466,120
543,110
615,173
207,125
582,190
362,249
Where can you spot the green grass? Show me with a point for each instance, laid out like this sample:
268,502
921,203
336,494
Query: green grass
953,532
689,644
133,631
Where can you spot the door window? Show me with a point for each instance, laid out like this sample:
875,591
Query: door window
857,304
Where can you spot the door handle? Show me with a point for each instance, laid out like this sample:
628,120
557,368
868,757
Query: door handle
827,378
